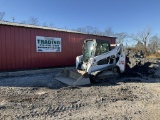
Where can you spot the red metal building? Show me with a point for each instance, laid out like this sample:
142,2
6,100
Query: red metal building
18,46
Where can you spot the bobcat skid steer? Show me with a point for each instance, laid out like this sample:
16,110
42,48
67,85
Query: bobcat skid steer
97,59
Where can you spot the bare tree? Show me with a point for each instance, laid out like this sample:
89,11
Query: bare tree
33,21
100,33
140,47
108,32
89,30
81,29
120,37
2,14
154,43
142,36
95,31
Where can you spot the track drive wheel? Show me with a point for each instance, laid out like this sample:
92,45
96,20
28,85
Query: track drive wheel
116,69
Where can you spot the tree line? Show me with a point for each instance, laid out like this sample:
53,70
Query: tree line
145,39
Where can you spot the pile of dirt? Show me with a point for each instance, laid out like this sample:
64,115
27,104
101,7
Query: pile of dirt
140,65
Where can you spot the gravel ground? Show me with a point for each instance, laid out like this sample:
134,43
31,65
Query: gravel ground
130,97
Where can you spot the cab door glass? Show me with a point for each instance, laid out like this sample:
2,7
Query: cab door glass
102,48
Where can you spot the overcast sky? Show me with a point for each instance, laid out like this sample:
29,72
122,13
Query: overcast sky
128,16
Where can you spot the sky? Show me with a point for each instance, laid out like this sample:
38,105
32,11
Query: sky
130,16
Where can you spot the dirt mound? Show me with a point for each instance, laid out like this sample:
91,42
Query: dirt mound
141,66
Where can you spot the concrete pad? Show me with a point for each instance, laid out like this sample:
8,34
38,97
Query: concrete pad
73,82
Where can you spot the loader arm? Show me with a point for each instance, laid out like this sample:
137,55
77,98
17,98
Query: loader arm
112,58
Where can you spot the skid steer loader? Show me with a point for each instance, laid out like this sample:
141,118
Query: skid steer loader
98,58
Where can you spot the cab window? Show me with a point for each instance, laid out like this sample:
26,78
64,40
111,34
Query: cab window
102,48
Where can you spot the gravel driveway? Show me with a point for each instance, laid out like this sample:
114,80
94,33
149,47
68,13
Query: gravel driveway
38,96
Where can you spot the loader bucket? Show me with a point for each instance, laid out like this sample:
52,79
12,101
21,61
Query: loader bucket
71,77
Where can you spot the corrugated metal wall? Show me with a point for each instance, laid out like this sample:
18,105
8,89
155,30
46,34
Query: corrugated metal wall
18,48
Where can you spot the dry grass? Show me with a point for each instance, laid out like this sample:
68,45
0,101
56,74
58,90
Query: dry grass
154,55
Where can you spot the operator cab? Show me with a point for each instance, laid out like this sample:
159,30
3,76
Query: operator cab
94,47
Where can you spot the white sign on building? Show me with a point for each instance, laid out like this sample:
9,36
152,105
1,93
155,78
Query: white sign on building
48,44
